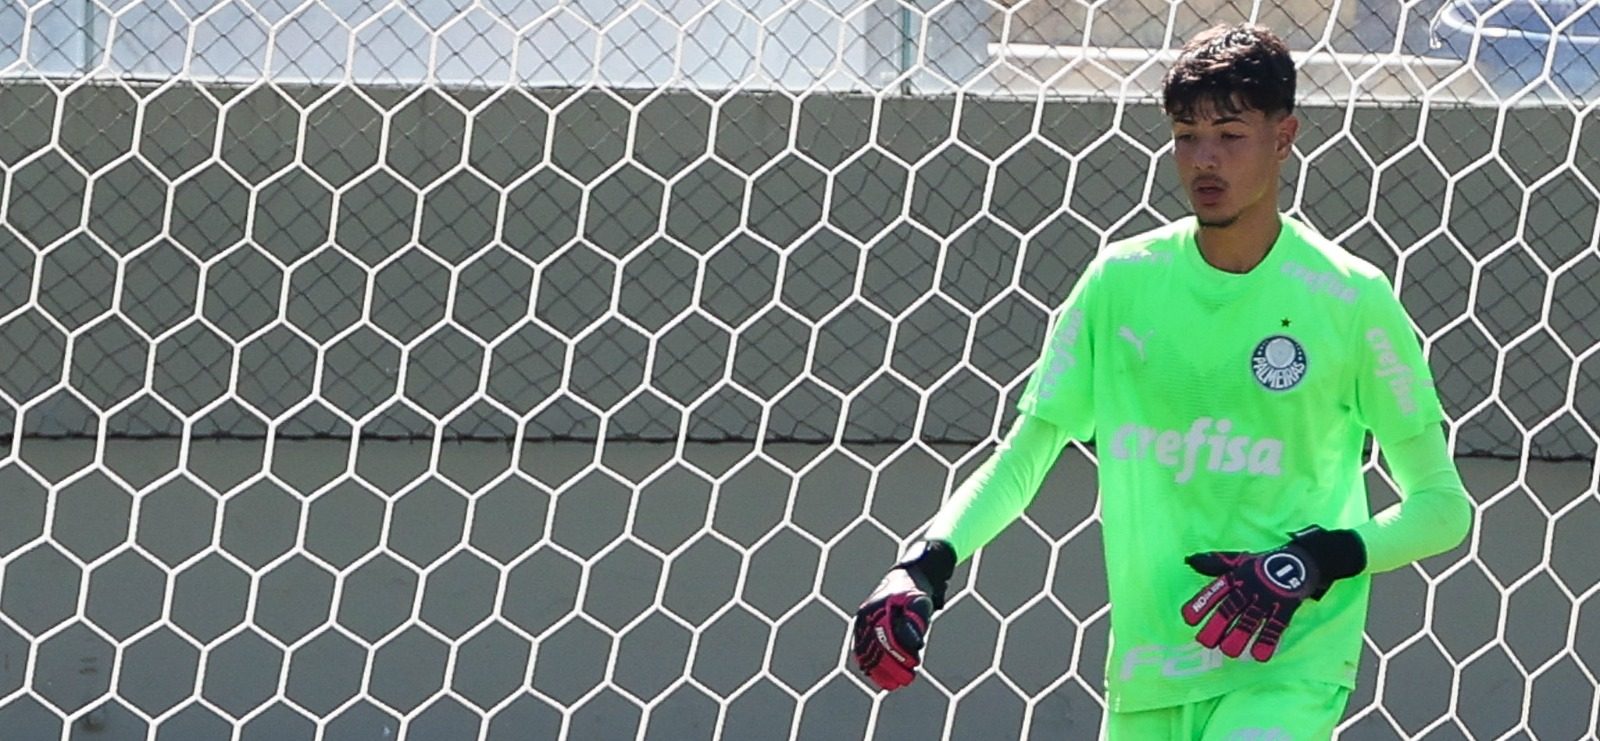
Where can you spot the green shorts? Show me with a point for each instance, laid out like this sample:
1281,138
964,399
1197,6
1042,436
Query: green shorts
1269,711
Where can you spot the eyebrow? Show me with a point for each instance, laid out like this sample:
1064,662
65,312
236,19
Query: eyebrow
1218,121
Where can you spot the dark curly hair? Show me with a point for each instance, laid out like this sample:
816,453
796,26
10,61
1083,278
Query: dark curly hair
1231,68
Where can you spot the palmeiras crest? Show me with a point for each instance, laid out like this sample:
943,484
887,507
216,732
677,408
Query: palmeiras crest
1279,362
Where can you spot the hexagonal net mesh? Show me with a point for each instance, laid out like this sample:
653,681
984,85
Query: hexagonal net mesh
492,370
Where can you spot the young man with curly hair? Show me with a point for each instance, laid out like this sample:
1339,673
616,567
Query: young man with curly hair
1228,368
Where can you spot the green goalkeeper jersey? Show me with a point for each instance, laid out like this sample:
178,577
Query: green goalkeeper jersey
1227,410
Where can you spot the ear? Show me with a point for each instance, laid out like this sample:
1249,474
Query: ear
1288,128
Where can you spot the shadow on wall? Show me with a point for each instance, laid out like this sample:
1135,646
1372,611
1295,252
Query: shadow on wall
1516,39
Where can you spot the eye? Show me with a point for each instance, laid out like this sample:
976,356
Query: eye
1185,137
1229,135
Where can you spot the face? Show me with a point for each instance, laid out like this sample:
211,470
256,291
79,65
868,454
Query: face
1229,161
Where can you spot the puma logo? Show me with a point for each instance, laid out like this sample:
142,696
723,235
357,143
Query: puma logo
1135,339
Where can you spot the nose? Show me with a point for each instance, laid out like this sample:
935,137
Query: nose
1205,156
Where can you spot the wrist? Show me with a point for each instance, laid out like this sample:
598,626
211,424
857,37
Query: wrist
1338,554
930,563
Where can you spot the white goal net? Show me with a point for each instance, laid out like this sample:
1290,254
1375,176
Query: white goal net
479,369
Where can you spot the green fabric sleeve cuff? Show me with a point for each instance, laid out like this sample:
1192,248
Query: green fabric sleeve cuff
1000,489
1434,513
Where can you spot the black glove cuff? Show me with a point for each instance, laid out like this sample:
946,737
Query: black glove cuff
1338,553
930,563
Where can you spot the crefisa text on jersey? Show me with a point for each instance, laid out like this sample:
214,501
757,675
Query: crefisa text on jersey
1390,370
1208,443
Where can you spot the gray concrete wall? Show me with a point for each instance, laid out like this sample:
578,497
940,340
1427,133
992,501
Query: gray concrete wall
192,245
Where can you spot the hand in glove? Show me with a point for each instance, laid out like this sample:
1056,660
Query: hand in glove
891,625
1255,594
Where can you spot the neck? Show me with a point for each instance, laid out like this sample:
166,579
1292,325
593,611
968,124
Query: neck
1241,245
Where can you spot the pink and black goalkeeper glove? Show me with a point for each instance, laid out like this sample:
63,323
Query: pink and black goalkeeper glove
891,625
1255,594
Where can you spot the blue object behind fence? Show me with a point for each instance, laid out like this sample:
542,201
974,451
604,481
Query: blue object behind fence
1515,40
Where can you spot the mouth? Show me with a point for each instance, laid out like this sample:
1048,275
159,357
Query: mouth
1208,192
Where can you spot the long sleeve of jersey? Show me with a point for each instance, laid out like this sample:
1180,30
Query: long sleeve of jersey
997,493
1433,514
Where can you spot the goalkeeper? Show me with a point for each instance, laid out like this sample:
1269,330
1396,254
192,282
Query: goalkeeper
1228,368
